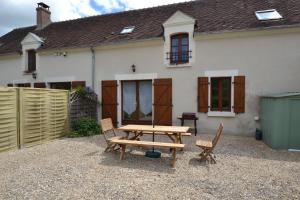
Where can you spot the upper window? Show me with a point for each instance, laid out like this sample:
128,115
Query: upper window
267,15
220,94
127,30
180,53
31,61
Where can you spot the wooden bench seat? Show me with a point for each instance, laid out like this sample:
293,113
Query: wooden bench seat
147,143
124,143
114,138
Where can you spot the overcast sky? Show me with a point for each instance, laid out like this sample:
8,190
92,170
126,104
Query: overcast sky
21,13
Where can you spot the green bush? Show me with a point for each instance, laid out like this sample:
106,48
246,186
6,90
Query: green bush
85,126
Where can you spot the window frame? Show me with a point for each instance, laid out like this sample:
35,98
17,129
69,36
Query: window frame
30,68
127,30
220,94
260,15
180,37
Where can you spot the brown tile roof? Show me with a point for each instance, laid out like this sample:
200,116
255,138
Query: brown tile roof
211,16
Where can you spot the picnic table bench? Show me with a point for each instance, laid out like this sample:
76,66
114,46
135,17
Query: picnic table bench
123,143
173,132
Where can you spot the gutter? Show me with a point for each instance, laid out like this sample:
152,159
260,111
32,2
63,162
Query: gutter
93,67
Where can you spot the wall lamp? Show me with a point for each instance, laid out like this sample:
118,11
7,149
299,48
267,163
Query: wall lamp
133,68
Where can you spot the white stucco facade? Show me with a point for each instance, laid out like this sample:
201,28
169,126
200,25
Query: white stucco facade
269,60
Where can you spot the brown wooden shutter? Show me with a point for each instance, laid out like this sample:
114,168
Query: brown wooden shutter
163,102
239,94
203,94
109,100
40,85
77,84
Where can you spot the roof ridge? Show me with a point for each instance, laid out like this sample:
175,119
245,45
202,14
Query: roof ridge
25,27
126,11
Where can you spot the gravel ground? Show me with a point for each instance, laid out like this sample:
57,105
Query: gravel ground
79,169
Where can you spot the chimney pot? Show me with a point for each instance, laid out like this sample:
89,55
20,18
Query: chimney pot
43,15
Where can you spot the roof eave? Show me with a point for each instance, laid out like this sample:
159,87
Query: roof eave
249,29
104,44
13,53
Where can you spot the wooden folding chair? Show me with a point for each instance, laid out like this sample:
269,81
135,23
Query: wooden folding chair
208,146
109,134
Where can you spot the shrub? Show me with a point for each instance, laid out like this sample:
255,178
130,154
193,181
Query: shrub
85,126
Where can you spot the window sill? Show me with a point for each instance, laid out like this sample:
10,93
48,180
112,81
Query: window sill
220,114
28,72
179,65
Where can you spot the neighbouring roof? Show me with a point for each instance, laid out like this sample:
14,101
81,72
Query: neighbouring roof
210,15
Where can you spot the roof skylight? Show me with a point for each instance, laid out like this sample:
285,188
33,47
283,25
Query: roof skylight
128,29
271,14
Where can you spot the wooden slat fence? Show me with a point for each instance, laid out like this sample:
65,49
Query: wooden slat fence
58,113
8,119
31,116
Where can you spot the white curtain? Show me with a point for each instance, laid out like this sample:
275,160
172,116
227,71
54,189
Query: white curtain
129,97
145,95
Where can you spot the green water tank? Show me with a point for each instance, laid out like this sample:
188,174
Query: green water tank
280,120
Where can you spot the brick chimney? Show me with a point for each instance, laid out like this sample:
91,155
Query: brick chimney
43,15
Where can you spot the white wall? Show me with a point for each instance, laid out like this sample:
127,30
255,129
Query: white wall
50,68
75,66
271,64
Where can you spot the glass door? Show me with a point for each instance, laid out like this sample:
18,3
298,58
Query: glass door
137,102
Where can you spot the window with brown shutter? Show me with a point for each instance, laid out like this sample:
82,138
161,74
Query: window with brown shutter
203,94
220,94
239,94
31,65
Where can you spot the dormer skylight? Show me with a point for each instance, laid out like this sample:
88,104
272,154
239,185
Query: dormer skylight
264,15
128,29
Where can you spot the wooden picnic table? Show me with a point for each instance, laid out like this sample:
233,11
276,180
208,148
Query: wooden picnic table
173,132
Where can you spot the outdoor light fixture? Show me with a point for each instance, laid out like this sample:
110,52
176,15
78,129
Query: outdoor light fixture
34,75
133,68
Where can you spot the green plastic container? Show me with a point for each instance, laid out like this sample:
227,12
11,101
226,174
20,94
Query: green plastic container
280,120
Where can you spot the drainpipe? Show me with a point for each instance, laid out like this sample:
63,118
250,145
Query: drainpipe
93,68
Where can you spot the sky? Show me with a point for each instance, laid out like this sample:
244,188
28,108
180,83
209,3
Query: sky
21,13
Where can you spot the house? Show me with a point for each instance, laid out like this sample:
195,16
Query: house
213,57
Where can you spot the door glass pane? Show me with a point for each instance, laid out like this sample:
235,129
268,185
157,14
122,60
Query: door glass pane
129,100
185,54
214,94
174,54
185,40
145,98
226,94
175,42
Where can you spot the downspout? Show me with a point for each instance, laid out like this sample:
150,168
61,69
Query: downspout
93,67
